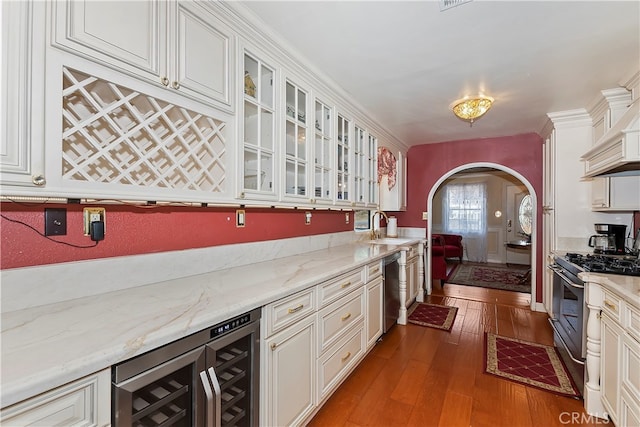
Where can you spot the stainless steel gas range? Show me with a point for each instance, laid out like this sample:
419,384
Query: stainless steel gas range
569,310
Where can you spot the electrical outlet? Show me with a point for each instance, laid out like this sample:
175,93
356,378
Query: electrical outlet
90,215
424,216
240,218
346,218
307,218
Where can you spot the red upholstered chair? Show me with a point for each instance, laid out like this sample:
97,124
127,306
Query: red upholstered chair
438,263
452,244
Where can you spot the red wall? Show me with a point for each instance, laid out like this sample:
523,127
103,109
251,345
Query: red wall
427,163
135,230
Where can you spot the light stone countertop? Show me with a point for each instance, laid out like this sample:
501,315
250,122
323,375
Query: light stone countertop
628,287
47,346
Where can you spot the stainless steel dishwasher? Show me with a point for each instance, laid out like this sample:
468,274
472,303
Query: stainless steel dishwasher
209,378
391,290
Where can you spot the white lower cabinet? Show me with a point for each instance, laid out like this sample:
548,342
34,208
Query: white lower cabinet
412,280
309,349
84,402
337,360
290,374
620,360
375,298
610,377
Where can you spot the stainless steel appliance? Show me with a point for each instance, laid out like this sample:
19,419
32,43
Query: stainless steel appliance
209,378
568,305
391,279
569,321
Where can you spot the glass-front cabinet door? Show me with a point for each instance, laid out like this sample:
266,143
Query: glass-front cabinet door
322,151
258,157
359,167
372,171
296,126
343,160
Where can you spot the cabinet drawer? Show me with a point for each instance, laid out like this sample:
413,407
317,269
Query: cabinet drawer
83,402
334,365
630,369
631,321
285,312
339,316
412,251
372,271
342,285
611,304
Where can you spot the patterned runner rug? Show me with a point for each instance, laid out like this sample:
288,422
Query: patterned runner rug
433,315
528,363
495,276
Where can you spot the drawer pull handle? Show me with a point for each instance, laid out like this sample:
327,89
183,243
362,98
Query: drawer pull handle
346,356
164,81
296,309
610,305
346,316
375,270
345,284
273,346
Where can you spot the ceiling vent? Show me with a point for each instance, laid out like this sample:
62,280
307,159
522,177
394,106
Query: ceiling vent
448,4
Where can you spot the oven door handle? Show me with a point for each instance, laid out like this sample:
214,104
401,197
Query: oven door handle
559,271
564,344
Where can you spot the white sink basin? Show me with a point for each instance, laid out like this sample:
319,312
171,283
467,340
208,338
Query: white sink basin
390,241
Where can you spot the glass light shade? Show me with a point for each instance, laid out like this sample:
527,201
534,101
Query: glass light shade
470,109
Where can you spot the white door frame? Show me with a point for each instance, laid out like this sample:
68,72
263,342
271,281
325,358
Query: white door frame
534,228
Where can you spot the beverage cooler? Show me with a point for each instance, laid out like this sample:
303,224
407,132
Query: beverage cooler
210,378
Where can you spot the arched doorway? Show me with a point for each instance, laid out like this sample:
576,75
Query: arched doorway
534,223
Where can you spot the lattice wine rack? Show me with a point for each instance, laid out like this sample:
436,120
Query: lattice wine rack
113,134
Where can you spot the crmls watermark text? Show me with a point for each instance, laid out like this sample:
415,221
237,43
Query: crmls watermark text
579,418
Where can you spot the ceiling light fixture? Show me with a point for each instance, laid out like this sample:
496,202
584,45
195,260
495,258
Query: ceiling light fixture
471,108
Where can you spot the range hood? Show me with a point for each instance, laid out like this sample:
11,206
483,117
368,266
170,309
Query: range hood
617,152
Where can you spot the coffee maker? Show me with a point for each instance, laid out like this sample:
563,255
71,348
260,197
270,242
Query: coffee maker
609,240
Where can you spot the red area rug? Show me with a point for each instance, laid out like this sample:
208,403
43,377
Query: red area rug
433,316
495,276
528,363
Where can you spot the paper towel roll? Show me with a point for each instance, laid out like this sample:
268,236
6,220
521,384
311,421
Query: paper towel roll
392,227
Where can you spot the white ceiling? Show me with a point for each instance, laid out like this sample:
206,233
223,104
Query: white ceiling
406,61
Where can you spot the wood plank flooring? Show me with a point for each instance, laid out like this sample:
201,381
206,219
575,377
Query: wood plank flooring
418,376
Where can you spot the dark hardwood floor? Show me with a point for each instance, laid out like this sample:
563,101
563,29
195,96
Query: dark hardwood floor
419,376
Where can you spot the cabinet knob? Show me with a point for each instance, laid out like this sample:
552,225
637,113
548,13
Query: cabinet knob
38,180
175,85
164,81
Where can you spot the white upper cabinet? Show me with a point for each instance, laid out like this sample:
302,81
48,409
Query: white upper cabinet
258,129
344,171
322,154
372,171
296,129
179,45
174,101
22,123
359,167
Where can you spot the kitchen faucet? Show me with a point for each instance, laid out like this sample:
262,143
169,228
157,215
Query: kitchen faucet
376,235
